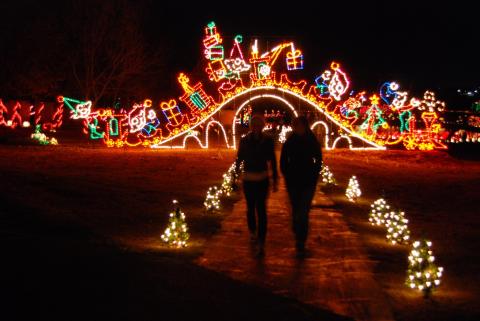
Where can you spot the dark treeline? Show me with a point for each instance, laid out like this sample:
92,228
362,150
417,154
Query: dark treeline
90,49
103,50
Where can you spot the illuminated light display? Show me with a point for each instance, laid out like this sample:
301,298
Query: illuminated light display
176,234
21,114
15,119
41,138
353,191
397,228
327,176
236,78
236,63
212,200
379,212
94,130
82,110
388,92
230,178
423,274
212,43
294,59
430,103
374,118
195,97
249,100
282,137
136,118
339,82
172,112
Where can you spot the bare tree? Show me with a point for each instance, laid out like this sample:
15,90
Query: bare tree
111,49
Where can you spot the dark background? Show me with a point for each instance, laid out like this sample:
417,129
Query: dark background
422,45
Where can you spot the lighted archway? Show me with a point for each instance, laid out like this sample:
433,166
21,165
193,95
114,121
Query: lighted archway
255,98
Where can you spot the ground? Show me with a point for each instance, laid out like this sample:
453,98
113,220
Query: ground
80,231
439,195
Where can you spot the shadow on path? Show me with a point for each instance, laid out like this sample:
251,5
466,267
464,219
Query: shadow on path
337,276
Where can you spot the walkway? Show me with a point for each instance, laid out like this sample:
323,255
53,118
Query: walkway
337,276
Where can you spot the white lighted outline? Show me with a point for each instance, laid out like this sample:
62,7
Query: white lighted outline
329,117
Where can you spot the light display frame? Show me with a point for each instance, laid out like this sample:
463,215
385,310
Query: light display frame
348,115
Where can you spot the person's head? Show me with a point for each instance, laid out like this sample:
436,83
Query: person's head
300,125
256,124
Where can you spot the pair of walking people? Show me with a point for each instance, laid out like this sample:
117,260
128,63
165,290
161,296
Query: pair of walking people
300,163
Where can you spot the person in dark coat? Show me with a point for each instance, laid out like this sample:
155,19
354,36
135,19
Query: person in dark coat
256,151
300,163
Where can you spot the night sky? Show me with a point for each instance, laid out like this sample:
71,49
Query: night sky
423,46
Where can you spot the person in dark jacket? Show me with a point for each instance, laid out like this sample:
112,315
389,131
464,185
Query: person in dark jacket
256,151
300,163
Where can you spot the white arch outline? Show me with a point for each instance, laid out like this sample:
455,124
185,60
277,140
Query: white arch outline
202,145
339,138
327,131
375,146
207,139
234,143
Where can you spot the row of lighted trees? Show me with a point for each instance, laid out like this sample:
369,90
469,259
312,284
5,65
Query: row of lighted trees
422,273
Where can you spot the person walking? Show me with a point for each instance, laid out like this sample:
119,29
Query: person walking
300,163
256,151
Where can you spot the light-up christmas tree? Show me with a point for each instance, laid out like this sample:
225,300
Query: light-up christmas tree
212,200
176,234
397,228
227,184
353,190
423,274
327,176
379,212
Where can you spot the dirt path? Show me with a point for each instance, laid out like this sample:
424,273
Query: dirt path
337,276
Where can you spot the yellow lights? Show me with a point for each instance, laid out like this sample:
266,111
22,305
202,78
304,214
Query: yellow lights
183,80
212,200
327,175
379,212
349,118
430,103
255,49
353,191
214,194
176,233
397,228
422,273
374,99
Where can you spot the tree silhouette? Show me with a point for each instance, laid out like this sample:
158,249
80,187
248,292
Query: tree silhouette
111,53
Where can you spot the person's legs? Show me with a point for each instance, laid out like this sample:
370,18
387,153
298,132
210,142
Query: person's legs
262,191
293,198
302,219
295,194
250,196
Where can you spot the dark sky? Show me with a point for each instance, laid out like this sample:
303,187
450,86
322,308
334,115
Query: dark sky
422,45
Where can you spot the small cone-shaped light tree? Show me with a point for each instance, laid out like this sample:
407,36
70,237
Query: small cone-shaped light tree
176,233
423,274
327,176
212,200
397,228
379,212
227,184
353,190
